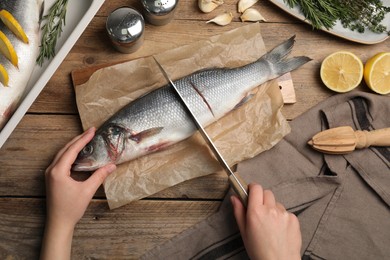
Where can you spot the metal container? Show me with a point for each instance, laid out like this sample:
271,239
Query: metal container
125,27
159,12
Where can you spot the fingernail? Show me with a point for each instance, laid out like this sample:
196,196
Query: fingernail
88,131
91,129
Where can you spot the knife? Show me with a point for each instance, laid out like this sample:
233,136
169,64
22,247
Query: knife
237,183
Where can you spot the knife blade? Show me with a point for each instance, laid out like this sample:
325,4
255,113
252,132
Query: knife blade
237,183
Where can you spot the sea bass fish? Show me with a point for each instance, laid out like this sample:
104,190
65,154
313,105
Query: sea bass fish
27,13
158,119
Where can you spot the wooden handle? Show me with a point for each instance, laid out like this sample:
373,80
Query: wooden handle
379,137
239,190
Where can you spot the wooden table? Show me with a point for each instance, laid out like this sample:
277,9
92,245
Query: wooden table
127,232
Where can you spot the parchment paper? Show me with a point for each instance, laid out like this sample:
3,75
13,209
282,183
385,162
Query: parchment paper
254,127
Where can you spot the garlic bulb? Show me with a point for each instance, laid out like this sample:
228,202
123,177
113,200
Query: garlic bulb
222,19
252,15
245,4
207,6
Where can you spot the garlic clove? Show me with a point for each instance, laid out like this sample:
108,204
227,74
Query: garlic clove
245,4
252,15
206,6
222,19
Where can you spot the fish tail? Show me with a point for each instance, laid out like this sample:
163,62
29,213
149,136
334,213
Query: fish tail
277,58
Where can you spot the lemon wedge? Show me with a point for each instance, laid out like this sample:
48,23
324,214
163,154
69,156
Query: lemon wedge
341,71
7,49
3,76
377,73
13,25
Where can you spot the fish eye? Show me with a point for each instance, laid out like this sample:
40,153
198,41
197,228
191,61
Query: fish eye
87,150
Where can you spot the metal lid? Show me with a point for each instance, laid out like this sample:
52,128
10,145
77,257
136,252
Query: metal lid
159,7
125,25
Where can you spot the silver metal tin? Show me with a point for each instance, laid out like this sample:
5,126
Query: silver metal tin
159,12
125,27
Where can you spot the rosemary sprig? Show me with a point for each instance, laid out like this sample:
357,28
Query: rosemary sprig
52,30
356,15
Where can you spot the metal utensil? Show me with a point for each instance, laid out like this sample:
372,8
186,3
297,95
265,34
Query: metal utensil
236,182
125,27
159,12
342,140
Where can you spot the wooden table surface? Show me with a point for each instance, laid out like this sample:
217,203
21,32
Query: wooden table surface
52,120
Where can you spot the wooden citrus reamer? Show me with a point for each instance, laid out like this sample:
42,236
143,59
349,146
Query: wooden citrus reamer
344,139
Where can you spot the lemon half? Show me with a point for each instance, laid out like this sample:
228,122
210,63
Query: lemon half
377,73
3,76
341,71
13,25
7,49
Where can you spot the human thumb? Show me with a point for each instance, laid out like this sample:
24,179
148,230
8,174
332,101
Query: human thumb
98,177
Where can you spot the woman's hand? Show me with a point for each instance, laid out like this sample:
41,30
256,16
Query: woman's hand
67,199
267,229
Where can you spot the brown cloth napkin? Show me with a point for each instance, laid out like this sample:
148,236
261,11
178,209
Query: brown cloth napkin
342,201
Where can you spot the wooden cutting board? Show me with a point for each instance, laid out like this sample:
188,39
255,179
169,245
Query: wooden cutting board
81,76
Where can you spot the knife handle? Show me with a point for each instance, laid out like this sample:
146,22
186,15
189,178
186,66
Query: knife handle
235,184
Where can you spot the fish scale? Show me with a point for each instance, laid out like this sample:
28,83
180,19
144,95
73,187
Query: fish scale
225,88
158,119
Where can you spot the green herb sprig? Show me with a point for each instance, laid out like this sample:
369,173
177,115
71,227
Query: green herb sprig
52,29
356,15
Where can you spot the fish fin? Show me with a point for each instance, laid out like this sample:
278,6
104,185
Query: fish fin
277,58
244,100
138,137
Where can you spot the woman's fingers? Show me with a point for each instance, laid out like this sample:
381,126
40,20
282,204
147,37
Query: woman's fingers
69,154
259,195
256,196
65,148
269,198
239,214
280,207
98,177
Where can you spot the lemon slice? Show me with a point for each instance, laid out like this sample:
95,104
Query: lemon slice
13,25
7,49
341,71
377,73
3,76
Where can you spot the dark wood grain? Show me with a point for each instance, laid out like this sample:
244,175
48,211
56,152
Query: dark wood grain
124,233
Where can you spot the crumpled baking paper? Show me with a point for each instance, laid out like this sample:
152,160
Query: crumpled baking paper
245,132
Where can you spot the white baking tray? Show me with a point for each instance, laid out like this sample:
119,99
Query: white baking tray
78,16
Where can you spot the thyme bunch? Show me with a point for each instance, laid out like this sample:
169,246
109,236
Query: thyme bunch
52,29
356,15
